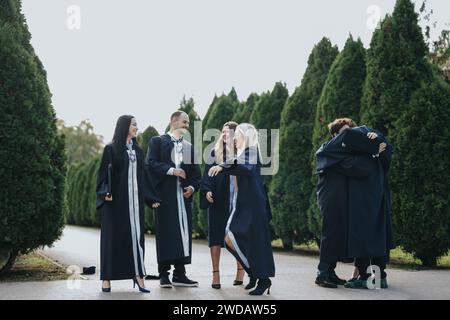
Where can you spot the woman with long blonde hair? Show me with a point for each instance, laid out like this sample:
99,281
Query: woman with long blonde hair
216,194
247,234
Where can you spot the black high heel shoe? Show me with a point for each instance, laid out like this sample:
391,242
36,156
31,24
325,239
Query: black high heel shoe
251,284
263,285
216,285
238,282
141,289
106,289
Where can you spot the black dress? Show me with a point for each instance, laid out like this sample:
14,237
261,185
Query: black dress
219,211
248,224
122,240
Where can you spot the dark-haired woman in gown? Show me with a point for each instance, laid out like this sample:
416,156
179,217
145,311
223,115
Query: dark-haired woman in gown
122,189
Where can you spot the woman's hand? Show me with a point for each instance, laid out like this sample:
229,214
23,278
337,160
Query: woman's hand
382,147
156,205
214,171
108,197
372,135
209,197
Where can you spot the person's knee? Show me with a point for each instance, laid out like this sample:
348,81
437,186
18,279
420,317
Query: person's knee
228,242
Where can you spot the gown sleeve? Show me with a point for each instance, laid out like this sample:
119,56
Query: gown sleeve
386,155
206,185
157,170
151,195
104,176
357,141
195,177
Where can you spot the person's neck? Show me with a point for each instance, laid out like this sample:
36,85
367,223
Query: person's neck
129,139
176,133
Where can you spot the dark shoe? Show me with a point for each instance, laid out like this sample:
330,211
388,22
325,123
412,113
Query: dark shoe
106,289
215,285
164,281
251,284
88,270
183,281
141,289
238,282
263,285
335,279
356,284
326,282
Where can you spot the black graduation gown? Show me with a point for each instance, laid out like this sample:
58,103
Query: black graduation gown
219,211
168,234
122,242
248,226
353,197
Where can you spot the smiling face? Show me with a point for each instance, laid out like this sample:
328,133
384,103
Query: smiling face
132,132
239,139
181,124
227,135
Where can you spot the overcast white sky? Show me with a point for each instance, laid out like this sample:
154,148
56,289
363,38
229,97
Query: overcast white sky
140,57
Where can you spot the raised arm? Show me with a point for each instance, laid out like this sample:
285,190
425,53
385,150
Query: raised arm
357,141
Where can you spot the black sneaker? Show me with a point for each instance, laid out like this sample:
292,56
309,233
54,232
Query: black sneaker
335,279
326,282
164,281
183,281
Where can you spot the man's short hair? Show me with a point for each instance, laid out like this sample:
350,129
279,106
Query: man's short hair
337,125
176,115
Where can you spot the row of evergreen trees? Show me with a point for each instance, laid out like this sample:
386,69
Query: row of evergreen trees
392,87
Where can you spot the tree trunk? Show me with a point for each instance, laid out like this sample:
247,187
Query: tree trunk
429,262
287,244
7,260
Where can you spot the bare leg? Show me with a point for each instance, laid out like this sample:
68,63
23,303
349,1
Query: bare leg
239,272
229,243
355,273
140,281
106,284
215,258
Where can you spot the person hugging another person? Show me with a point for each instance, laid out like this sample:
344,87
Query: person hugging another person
247,234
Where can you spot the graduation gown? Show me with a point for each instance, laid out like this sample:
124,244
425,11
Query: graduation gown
122,243
353,196
219,211
248,225
173,228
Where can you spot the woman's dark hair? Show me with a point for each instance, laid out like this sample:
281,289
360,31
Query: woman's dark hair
121,133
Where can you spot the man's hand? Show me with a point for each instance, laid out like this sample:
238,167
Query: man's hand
188,191
214,171
382,147
372,135
108,197
179,173
156,205
209,197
